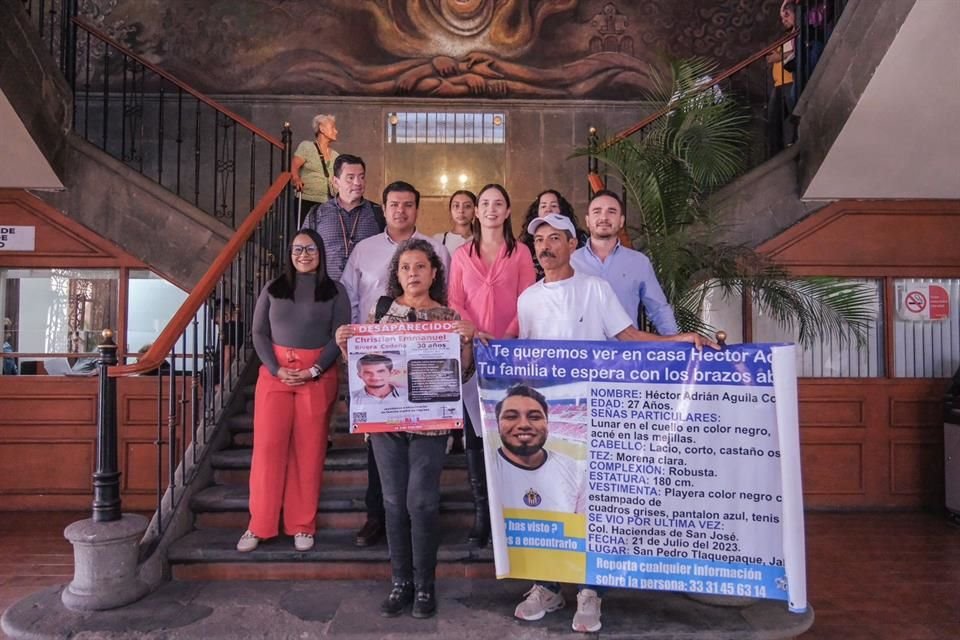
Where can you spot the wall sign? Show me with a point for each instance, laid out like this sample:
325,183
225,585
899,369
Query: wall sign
925,303
18,238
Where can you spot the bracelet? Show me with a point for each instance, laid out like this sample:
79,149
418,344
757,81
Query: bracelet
315,371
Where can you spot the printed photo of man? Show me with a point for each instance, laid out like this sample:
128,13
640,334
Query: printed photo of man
375,370
530,475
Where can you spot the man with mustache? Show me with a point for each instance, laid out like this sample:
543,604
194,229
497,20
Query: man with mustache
567,305
529,476
628,272
347,218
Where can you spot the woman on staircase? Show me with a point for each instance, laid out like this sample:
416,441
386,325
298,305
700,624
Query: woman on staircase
294,324
312,164
487,275
410,462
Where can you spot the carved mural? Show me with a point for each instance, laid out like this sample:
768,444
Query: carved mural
446,48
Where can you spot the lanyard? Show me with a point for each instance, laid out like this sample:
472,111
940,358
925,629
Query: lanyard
347,241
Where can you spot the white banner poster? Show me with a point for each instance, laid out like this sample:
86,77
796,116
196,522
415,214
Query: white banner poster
645,466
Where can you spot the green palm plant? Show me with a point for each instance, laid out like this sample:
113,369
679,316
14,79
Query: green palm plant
669,172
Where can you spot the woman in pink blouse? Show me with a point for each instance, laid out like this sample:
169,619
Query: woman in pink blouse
487,275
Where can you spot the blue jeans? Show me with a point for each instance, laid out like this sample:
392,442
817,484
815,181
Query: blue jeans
410,467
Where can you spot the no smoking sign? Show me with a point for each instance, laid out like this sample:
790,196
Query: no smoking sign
925,303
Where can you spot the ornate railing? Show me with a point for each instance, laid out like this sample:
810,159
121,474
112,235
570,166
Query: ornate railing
197,359
751,82
155,123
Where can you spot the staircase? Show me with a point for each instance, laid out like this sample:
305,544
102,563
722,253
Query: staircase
220,513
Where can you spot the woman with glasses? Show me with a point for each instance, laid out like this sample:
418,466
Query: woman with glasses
410,462
487,276
294,324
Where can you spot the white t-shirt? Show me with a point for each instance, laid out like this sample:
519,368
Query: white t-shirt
452,241
365,275
579,308
556,485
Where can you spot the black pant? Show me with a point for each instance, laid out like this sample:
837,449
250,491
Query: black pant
374,496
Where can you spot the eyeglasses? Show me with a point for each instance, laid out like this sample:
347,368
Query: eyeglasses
299,249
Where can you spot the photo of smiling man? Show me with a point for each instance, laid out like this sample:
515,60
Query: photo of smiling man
530,476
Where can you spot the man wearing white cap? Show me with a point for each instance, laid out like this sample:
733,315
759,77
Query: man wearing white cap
566,305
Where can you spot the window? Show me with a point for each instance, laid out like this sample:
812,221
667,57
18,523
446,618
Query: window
445,128
152,302
832,358
926,328
440,153
57,311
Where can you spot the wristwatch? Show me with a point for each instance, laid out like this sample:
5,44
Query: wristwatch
315,371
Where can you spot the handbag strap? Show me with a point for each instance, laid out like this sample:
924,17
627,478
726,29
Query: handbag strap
326,171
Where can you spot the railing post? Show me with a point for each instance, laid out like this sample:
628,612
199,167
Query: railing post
592,162
106,477
68,44
106,546
289,215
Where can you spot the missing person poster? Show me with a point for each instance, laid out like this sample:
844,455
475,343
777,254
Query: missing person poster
405,377
645,466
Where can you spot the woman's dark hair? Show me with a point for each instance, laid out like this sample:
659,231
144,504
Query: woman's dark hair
533,212
462,192
507,224
438,290
284,287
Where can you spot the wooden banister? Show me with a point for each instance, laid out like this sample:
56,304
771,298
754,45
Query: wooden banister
243,122
159,350
743,64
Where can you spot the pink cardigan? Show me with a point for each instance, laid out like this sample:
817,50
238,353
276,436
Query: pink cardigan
488,296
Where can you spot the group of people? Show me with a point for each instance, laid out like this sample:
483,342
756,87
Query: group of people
354,261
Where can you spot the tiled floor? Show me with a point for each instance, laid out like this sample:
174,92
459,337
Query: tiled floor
876,576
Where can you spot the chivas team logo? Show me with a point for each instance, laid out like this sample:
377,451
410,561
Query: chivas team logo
531,498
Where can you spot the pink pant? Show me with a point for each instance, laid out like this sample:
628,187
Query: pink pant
289,446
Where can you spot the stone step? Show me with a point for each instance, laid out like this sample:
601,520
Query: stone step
450,477
241,429
235,498
237,521
331,545
344,467
338,459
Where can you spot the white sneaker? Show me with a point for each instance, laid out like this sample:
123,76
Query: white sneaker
303,542
248,542
587,617
539,602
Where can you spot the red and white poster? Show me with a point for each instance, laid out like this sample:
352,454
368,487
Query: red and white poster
924,303
405,377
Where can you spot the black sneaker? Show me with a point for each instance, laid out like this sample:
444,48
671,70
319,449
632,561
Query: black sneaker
401,595
425,604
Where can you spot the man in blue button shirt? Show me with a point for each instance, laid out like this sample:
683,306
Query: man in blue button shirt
629,272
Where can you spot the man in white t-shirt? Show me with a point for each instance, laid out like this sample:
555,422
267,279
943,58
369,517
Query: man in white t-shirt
566,305
530,476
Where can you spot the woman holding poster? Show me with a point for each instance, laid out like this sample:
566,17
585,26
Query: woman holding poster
410,462
294,324
487,276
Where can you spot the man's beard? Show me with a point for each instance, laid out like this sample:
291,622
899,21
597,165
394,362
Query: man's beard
523,450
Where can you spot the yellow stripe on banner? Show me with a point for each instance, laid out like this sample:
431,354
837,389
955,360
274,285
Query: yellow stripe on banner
548,564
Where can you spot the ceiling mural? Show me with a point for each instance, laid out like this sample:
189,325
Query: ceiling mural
442,48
